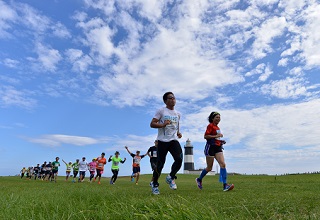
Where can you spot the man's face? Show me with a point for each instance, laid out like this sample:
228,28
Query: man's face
171,100
138,153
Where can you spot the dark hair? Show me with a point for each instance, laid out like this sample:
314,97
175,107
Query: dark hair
212,115
103,153
117,152
166,95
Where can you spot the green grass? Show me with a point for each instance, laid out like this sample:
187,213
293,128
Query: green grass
254,197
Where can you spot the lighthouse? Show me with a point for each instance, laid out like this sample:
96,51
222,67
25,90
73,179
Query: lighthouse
188,157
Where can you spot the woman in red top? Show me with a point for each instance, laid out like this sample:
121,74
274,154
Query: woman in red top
214,149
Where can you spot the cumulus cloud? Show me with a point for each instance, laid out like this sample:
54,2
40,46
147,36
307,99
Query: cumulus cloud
47,58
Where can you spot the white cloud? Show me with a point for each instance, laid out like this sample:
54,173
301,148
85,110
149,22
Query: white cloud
286,88
10,63
7,16
265,34
55,140
10,96
47,59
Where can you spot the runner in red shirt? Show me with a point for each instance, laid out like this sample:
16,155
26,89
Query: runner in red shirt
214,149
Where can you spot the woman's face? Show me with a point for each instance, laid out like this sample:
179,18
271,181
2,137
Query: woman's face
216,119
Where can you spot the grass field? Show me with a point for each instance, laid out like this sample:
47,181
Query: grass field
254,197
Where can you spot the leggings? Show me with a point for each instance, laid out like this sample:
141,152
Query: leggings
175,150
115,175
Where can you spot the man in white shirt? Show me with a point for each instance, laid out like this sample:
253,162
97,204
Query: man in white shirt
166,120
83,167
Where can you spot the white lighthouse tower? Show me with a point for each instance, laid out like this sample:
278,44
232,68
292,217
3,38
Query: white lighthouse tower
188,157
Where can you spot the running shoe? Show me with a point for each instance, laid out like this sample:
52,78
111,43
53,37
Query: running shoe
111,182
155,190
132,179
199,183
228,187
171,183
151,183
99,182
137,184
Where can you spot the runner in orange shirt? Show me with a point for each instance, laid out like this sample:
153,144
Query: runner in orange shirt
101,161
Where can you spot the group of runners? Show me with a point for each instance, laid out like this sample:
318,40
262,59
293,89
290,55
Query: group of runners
49,171
167,121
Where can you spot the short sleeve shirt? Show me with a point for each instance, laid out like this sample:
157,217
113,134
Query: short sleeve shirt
55,165
213,129
169,132
136,160
153,152
115,163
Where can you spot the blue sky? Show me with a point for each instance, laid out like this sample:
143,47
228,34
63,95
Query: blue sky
78,78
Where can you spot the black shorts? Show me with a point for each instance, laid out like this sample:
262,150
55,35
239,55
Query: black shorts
75,173
153,164
48,172
82,173
99,172
54,171
210,150
136,169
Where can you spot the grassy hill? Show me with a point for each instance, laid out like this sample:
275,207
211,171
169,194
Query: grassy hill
254,197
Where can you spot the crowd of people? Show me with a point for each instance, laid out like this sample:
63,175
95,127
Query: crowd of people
167,121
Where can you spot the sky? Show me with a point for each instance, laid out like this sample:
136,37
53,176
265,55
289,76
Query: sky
78,78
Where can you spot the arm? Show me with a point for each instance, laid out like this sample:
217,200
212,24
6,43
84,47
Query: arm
127,149
155,123
109,160
64,161
122,161
178,132
209,136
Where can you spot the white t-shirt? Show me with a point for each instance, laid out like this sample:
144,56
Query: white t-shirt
83,165
169,132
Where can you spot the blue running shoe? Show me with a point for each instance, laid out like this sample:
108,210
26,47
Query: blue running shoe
199,183
132,178
151,183
228,187
155,190
171,183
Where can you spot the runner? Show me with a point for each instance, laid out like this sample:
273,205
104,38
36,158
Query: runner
166,120
48,171
92,168
68,169
101,161
55,168
23,171
135,164
83,167
43,170
214,150
36,171
152,153
75,168
115,166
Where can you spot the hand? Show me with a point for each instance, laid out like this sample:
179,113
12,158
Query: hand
166,122
125,158
219,135
110,156
179,135
125,147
